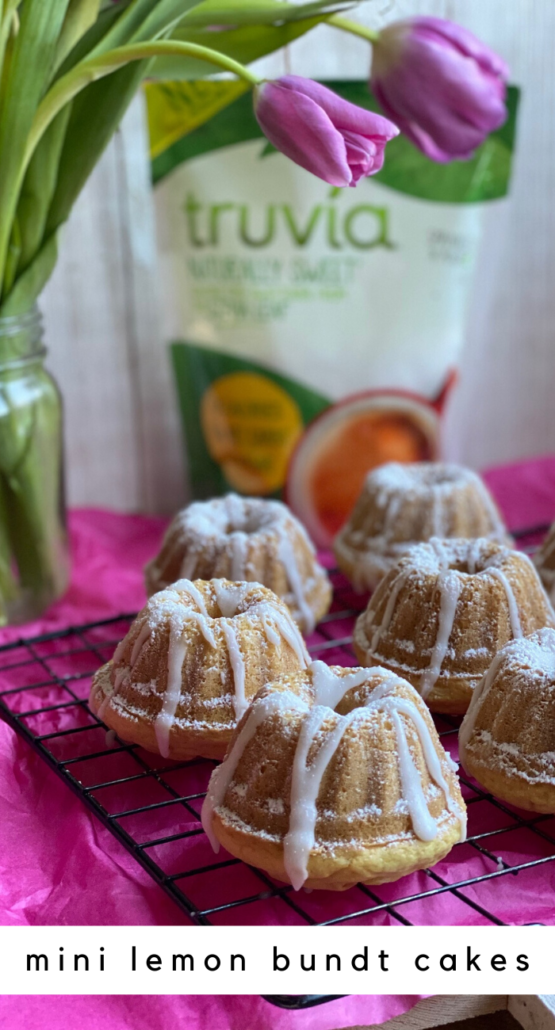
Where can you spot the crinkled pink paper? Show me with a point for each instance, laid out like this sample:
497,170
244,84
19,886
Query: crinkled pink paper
243,1012
79,874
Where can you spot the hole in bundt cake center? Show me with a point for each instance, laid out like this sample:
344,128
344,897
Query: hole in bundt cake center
247,523
442,476
473,565
463,566
357,697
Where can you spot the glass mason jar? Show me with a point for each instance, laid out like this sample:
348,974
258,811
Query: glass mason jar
34,560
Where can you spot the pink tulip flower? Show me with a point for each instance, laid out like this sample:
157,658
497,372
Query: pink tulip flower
444,88
318,130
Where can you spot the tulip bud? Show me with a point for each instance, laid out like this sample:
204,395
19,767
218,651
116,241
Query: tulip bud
318,130
444,88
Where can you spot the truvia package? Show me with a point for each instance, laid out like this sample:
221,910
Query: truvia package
316,330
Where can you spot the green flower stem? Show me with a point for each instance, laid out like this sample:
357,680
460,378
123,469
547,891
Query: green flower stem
98,67
354,28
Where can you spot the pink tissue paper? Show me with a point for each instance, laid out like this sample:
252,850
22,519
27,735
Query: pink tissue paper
59,865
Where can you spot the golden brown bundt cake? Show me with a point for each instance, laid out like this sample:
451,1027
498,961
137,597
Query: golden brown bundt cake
401,505
443,612
507,738
192,660
245,539
544,560
336,776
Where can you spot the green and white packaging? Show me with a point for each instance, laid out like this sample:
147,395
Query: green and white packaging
285,296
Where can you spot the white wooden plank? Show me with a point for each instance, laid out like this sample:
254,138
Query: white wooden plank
443,1008
86,318
533,1011
161,453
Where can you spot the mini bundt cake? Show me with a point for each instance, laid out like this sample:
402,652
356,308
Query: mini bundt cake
336,776
250,539
192,660
507,738
405,504
544,560
443,612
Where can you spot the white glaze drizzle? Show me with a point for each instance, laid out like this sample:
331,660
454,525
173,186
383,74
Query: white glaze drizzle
142,636
238,543
227,525
397,585
393,485
195,593
536,652
450,585
237,667
514,617
305,785
183,612
202,623
423,824
165,718
391,507
237,540
291,634
229,596
222,776
329,689
188,565
287,557
307,780
235,507
467,726
271,633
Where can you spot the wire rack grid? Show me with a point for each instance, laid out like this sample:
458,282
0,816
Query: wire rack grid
152,806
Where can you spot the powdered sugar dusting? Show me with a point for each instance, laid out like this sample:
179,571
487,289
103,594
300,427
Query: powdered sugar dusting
330,686
402,504
228,532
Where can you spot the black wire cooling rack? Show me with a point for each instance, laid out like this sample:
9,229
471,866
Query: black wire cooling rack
152,806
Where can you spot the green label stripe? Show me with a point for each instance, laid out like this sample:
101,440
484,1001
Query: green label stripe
195,369
485,177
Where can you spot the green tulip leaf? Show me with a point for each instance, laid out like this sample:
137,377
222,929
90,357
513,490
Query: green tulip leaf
81,15
245,44
258,12
34,48
39,186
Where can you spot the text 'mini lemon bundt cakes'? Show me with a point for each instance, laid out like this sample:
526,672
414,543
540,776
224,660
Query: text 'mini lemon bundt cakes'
192,660
405,504
245,539
544,560
336,776
443,612
507,738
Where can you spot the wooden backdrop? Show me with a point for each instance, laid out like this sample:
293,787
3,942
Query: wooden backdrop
123,438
